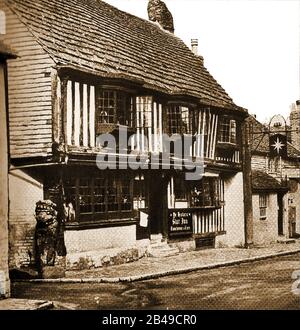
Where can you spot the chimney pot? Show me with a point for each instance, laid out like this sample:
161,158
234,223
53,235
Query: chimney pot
194,44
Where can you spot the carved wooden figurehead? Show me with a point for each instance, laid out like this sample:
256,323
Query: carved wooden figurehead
159,12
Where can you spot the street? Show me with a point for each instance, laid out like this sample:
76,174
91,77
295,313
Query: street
261,285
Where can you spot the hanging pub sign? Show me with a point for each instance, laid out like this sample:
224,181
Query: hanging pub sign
278,145
180,223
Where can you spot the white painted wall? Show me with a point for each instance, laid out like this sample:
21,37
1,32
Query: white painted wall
234,213
24,193
100,239
265,231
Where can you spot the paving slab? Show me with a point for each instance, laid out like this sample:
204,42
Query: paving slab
24,304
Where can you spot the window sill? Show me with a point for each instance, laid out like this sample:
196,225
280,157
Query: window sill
212,234
227,145
263,218
196,208
100,224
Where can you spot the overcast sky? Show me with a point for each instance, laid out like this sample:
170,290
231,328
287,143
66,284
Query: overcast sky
252,47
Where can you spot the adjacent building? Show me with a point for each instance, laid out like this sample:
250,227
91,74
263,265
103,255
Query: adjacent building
86,69
276,181
5,53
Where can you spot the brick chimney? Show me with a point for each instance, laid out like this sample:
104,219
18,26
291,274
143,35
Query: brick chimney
295,124
159,12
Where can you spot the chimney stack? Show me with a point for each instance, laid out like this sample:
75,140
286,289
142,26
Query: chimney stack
295,124
194,45
159,12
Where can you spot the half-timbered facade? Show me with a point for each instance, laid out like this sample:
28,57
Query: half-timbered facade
87,69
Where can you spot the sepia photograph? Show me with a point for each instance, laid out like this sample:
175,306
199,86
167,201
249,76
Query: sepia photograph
150,158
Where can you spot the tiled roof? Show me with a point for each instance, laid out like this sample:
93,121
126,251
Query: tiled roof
293,151
259,139
263,181
93,36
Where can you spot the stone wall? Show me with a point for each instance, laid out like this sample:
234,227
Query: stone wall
24,192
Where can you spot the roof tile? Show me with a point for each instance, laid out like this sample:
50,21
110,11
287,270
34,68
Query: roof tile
95,36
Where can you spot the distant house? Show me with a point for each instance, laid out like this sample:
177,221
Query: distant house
276,185
5,53
268,208
85,69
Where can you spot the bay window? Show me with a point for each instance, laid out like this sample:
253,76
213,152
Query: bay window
178,120
227,133
207,192
113,107
97,198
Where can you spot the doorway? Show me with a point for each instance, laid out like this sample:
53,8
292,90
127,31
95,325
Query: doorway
292,222
280,214
158,204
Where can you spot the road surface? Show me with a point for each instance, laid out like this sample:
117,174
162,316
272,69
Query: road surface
260,285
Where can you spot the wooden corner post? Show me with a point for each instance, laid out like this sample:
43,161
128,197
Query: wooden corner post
247,185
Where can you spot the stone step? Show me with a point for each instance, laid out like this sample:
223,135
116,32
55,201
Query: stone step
156,237
286,241
162,249
159,244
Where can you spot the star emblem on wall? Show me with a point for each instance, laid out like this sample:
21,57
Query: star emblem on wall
278,145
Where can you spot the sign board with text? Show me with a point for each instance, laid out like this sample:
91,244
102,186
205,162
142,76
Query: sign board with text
180,223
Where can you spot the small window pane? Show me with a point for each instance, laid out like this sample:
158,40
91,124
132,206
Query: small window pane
263,204
227,131
178,119
112,195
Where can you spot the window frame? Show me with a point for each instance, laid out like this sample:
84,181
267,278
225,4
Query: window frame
209,188
107,213
263,203
121,103
227,131
177,121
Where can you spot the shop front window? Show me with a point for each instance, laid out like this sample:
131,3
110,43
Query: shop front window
92,197
139,192
207,192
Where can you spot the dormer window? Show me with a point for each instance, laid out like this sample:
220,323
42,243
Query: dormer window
227,131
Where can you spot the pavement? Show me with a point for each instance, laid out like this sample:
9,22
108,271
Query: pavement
151,268
24,304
